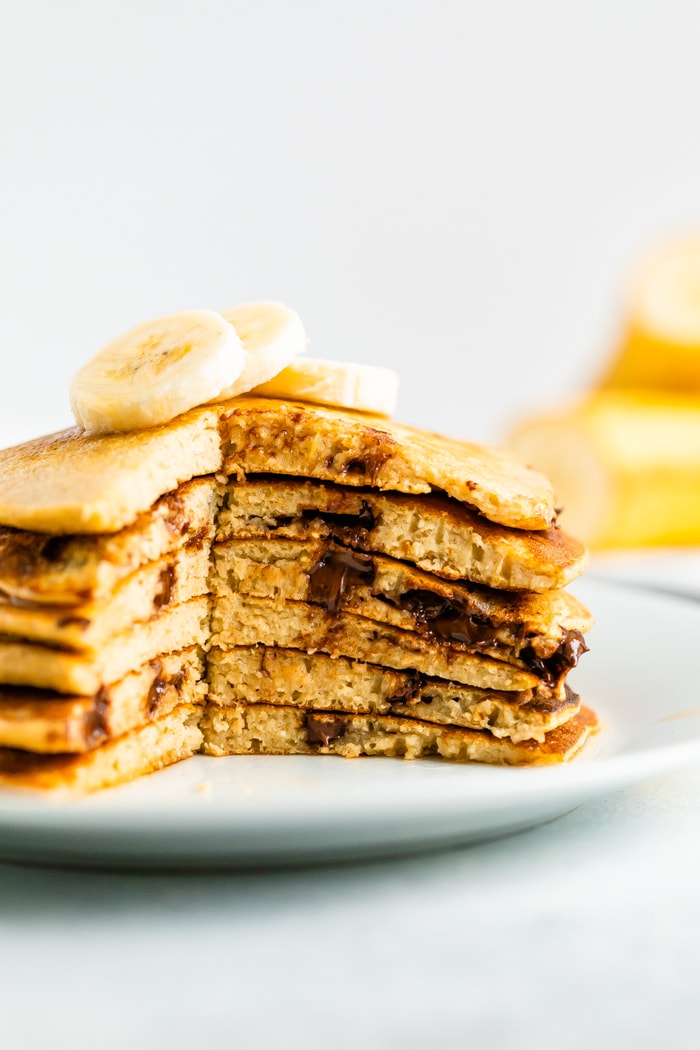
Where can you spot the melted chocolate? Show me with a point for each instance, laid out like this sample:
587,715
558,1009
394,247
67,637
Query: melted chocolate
74,621
55,547
412,686
166,583
368,464
447,619
355,466
323,730
364,519
554,667
198,538
331,576
177,521
158,687
96,728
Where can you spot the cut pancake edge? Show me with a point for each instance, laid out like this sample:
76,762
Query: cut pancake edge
265,729
49,722
287,677
172,738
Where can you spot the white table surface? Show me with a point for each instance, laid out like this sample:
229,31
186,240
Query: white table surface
581,933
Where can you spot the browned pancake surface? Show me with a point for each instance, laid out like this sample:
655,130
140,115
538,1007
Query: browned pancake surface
287,437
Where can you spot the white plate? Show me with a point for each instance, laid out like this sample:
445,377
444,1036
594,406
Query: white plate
640,677
672,569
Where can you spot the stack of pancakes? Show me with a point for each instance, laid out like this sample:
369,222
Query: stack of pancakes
271,577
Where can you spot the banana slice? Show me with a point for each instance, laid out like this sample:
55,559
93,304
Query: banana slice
157,371
272,335
666,293
625,466
361,387
661,345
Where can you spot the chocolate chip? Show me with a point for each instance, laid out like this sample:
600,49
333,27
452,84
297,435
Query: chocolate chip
55,547
74,621
177,521
411,686
331,576
166,584
369,464
158,687
447,619
96,727
356,466
553,668
322,729
197,540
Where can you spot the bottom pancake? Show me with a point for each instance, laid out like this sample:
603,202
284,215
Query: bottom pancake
290,677
169,739
268,730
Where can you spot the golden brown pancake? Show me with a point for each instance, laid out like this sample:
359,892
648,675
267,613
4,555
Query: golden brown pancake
310,578
300,625
75,482
169,739
88,627
262,675
434,532
70,570
267,730
71,482
39,720
175,628
287,437
541,632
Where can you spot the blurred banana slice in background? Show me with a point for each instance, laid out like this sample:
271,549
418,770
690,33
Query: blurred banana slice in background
625,459
625,467
661,343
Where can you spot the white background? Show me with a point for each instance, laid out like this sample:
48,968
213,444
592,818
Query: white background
453,189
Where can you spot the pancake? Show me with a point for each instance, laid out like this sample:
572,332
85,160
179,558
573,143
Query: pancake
72,482
169,739
268,730
299,625
27,663
71,570
434,532
542,632
261,675
40,720
287,437
76,482
88,627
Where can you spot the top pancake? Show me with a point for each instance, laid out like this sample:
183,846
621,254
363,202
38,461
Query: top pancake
286,437
73,483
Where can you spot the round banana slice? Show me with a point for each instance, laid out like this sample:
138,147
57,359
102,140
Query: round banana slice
272,336
364,388
666,293
661,345
156,371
